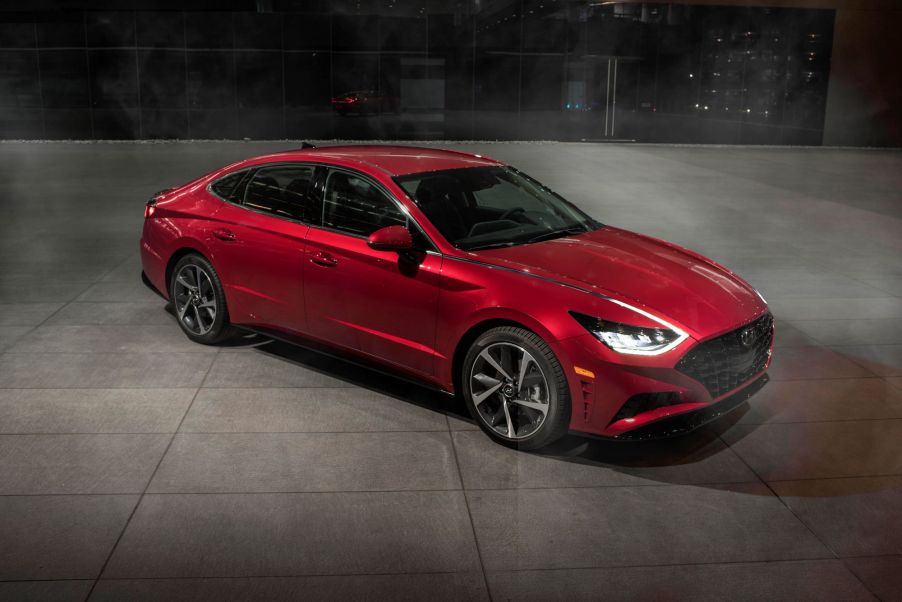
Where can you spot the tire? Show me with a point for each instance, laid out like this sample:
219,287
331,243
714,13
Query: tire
491,387
193,306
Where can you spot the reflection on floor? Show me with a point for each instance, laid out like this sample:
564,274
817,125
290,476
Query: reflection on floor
137,465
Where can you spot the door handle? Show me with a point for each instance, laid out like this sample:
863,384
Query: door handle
223,234
323,259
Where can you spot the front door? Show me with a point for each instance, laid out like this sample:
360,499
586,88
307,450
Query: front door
379,302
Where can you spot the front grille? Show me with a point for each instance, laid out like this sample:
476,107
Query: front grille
724,363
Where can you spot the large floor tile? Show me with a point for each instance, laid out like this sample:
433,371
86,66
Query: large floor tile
854,517
61,338
59,536
347,409
882,575
40,290
92,410
817,450
486,465
10,334
829,308
127,270
461,422
890,284
266,462
18,267
885,360
853,331
45,464
259,369
820,286
103,370
436,587
797,363
623,526
823,580
26,314
824,400
296,534
39,591
115,313
785,335
130,291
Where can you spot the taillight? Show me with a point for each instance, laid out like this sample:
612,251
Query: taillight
150,208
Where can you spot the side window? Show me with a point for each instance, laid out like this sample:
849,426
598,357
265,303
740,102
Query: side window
353,205
229,188
284,191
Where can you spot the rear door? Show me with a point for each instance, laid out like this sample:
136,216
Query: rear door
379,302
259,246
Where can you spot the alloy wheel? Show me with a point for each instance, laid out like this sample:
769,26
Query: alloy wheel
509,390
195,299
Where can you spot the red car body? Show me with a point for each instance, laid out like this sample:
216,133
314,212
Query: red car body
306,282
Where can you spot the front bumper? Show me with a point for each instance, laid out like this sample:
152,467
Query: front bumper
628,397
687,422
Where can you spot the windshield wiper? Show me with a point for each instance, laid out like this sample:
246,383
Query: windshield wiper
492,245
557,234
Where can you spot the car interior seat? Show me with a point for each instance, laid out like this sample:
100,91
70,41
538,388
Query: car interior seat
442,200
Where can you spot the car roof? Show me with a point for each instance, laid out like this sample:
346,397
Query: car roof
391,159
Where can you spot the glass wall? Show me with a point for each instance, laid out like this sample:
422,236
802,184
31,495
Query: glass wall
414,69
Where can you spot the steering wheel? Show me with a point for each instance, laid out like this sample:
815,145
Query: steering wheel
511,212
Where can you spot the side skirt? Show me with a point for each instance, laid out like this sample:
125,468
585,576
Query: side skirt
321,349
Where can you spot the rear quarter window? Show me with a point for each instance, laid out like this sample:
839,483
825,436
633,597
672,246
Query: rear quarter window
229,187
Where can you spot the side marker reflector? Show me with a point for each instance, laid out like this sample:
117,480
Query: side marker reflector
583,372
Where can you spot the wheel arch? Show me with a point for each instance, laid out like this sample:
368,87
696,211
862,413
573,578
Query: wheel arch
176,256
482,325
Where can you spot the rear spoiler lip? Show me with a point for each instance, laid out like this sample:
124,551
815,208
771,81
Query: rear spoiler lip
304,146
160,193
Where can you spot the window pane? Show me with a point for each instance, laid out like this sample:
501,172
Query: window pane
354,205
479,207
284,191
226,188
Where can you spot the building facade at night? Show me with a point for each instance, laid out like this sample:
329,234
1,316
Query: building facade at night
507,70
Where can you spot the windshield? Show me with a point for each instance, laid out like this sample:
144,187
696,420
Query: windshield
486,207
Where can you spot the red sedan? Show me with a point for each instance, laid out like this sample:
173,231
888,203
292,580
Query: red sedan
466,274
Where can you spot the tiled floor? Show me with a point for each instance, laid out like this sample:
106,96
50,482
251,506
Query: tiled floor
137,465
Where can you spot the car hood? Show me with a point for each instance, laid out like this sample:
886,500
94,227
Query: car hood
674,283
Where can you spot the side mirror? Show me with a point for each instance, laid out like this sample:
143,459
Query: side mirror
391,238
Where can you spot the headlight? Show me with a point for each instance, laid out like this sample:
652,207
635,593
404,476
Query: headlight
636,340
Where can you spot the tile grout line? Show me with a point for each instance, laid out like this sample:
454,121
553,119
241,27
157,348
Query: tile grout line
474,489
463,489
150,479
523,570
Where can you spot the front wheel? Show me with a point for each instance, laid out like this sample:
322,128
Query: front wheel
199,301
515,388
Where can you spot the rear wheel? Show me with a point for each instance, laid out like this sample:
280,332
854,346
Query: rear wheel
199,301
515,388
